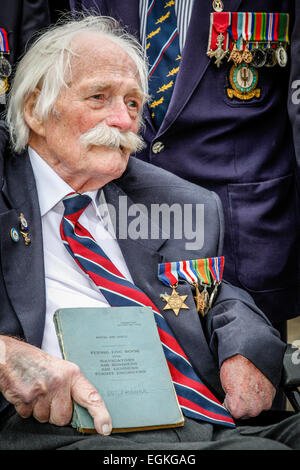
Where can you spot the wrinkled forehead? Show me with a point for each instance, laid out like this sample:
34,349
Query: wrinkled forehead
93,53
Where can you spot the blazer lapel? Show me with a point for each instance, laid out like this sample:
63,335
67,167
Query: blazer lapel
23,266
194,58
142,258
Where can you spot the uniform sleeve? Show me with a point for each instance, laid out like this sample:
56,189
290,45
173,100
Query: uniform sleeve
235,325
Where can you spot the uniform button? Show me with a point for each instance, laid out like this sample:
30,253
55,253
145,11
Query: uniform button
158,147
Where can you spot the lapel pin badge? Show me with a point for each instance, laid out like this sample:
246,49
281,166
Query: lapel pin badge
24,229
14,235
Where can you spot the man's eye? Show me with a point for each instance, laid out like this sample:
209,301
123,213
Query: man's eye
133,104
98,97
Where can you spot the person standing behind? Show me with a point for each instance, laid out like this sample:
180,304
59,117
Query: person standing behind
19,22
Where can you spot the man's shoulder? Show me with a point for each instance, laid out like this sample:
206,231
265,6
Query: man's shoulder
4,138
142,176
4,145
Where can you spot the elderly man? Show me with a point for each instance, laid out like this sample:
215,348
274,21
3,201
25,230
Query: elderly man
73,118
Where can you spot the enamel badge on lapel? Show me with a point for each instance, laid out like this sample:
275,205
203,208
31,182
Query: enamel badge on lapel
24,229
251,40
14,235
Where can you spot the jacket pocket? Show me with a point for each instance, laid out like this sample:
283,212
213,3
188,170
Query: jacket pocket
265,229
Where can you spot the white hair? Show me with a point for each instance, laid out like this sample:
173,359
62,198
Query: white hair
47,62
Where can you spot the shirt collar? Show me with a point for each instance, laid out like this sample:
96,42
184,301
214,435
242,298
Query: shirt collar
51,188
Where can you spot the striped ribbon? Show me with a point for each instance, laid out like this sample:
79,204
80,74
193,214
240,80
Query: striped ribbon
201,267
168,273
216,266
249,27
220,22
273,27
4,47
194,397
192,271
283,29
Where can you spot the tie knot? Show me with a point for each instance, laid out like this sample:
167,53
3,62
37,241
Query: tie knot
75,204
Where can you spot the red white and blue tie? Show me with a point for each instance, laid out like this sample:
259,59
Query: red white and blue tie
194,397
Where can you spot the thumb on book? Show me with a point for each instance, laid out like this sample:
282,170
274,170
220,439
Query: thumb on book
85,394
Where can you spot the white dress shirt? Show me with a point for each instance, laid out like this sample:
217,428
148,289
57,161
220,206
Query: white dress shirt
66,283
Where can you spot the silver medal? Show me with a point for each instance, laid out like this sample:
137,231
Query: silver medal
5,67
281,56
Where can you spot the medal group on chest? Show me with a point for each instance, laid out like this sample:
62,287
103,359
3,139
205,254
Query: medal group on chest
204,275
250,41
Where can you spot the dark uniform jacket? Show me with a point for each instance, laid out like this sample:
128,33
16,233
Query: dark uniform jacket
234,325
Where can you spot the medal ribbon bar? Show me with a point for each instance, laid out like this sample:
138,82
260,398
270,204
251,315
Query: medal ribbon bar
240,28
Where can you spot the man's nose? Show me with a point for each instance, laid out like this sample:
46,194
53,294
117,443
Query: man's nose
119,117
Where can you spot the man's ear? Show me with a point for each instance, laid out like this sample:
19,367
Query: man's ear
34,123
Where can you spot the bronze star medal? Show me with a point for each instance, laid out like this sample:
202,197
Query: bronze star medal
201,299
174,301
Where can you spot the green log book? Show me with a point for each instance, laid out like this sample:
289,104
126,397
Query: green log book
119,351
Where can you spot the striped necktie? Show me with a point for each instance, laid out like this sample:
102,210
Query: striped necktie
162,47
194,397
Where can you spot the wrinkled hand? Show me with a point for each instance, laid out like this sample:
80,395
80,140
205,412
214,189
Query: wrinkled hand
43,386
248,391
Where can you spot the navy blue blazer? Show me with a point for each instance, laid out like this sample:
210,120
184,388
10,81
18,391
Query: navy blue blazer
242,150
233,326
294,88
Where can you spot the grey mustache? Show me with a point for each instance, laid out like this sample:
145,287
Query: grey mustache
103,135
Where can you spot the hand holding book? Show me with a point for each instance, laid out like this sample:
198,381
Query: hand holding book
43,386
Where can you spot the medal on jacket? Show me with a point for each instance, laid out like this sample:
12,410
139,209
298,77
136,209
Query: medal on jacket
187,270
236,34
216,267
281,56
218,44
5,67
168,275
201,267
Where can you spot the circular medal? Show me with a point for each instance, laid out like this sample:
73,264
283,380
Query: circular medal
3,86
258,58
5,67
281,56
247,56
236,56
270,57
